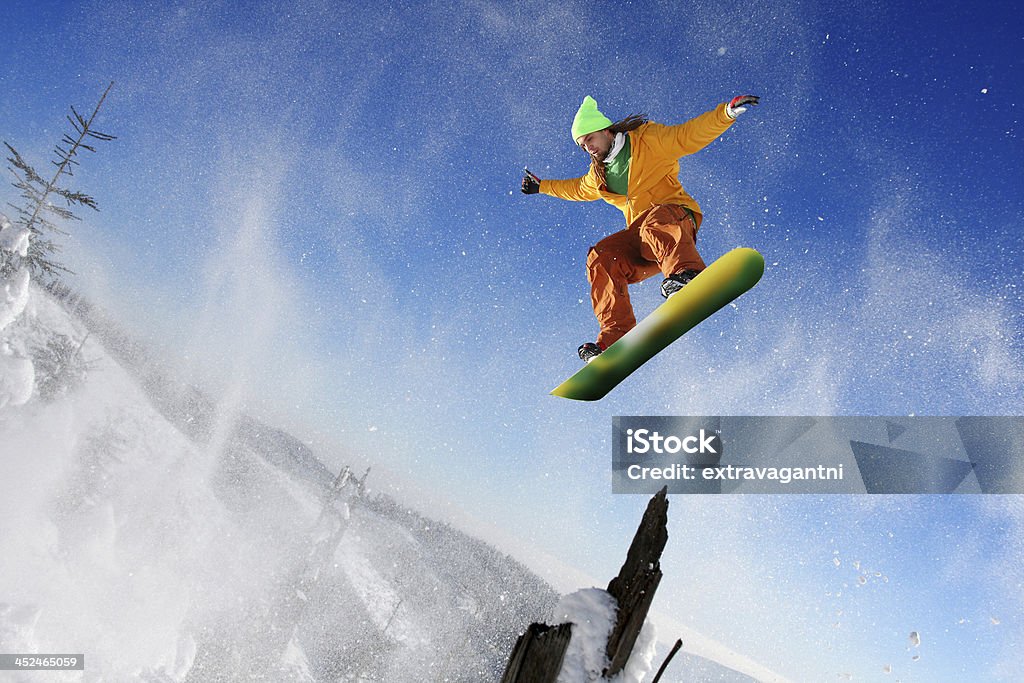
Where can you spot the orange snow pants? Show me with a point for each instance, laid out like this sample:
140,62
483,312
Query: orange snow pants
660,240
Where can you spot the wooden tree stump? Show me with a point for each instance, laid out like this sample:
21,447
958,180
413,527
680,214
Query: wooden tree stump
637,581
538,654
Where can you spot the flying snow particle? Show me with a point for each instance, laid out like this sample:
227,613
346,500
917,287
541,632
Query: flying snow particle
995,622
721,51
887,669
984,91
914,639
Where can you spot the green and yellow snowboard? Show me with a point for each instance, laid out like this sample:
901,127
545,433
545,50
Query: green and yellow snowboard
717,285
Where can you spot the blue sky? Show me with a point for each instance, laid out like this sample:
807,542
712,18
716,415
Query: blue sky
313,209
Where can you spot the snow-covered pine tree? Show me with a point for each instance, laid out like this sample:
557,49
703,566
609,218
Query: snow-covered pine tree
34,359
37,209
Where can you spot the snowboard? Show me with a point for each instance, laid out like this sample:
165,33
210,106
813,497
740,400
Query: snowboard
714,287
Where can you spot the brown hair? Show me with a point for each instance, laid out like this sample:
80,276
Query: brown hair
631,122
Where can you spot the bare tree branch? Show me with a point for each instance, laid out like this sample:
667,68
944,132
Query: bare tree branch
35,191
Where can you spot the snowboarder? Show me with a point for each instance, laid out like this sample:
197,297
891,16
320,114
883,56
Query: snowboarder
634,166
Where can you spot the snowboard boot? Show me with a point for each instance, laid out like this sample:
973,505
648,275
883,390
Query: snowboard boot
589,351
673,283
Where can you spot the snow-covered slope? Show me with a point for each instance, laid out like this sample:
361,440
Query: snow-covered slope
169,542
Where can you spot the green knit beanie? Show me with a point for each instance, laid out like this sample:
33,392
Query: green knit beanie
588,119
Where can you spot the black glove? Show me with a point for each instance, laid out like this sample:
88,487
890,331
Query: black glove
738,104
531,183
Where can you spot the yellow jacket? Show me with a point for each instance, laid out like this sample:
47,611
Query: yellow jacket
655,150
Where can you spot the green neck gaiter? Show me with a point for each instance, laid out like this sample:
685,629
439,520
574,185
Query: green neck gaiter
617,172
